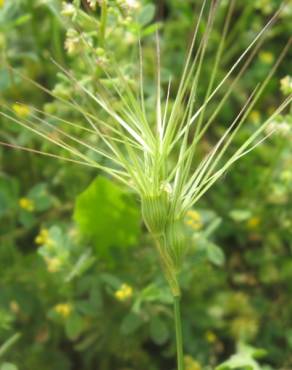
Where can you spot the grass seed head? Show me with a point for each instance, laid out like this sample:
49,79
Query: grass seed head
155,212
137,146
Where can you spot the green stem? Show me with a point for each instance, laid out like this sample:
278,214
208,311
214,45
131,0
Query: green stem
103,21
178,333
9,343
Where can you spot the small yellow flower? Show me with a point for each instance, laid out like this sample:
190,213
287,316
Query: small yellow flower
26,204
68,9
191,364
129,4
194,220
72,41
124,293
255,116
53,264
43,237
266,57
14,307
253,222
286,85
1,3
93,4
63,309
21,110
210,336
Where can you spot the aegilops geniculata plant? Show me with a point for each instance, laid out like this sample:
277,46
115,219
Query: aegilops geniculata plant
157,159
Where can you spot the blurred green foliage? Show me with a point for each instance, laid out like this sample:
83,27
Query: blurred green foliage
79,275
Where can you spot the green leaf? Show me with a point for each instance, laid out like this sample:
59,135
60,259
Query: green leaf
159,332
84,262
239,361
131,323
41,197
107,215
152,293
244,359
96,299
240,215
8,366
111,280
146,15
74,325
27,219
289,338
151,29
215,254
8,194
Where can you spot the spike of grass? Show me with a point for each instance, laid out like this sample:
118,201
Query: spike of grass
139,151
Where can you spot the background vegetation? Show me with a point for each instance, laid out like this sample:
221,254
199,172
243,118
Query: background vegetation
80,286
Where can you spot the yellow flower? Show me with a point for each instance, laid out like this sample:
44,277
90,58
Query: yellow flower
244,327
92,4
266,57
124,293
63,309
53,264
14,307
21,110
253,222
255,116
210,336
26,204
1,3
286,85
194,220
72,41
191,364
42,237
68,10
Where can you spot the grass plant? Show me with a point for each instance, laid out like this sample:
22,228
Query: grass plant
160,159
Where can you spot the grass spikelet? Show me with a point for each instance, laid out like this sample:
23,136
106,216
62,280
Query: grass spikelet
159,158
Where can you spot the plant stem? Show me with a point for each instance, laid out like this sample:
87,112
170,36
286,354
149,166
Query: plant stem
103,21
9,343
178,333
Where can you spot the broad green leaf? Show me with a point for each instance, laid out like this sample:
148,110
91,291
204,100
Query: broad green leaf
74,325
215,254
107,215
147,14
131,323
26,218
152,293
41,197
158,331
111,280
